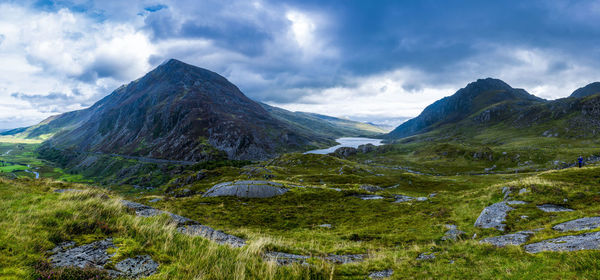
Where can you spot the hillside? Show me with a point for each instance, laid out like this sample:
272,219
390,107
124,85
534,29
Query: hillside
323,125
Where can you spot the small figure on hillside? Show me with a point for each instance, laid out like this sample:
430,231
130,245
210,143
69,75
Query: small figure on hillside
580,160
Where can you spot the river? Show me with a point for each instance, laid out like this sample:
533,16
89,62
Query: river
352,142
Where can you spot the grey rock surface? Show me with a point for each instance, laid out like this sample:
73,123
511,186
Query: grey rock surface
403,198
247,189
586,241
426,256
325,226
515,202
212,234
371,188
90,255
370,197
579,224
381,274
343,259
553,208
67,190
421,198
285,258
493,216
155,200
517,238
453,233
140,266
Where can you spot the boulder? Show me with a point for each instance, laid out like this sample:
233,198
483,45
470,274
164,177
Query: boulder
586,241
493,216
344,259
371,188
553,208
345,152
403,198
370,197
247,189
579,224
212,234
517,238
381,274
426,256
366,148
90,255
453,233
285,258
140,266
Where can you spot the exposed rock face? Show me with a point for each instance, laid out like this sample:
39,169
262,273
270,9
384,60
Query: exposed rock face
553,208
493,216
370,197
426,256
366,148
579,224
93,254
285,258
403,198
588,90
517,238
140,266
247,189
344,259
212,234
453,233
345,152
586,241
371,188
177,112
381,274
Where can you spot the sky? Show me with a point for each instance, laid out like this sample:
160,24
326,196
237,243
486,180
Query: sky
379,61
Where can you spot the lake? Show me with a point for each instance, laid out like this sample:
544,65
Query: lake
352,142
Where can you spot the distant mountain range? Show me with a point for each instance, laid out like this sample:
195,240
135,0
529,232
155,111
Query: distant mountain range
492,104
182,112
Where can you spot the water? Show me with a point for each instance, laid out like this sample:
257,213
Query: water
352,142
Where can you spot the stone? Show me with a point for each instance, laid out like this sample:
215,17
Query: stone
493,216
155,200
67,190
381,274
285,258
403,198
344,152
247,189
426,256
421,198
344,259
432,195
579,224
140,266
523,190
370,197
453,233
553,208
91,255
517,238
586,241
212,234
371,188
515,202
325,226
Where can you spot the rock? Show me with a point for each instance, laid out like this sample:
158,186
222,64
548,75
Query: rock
553,208
432,195
579,224
285,258
371,188
90,255
325,226
523,190
345,152
370,197
366,148
489,169
515,202
453,233
67,190
586,241
506,192
426,256
403,198
247,189
140,266
344,259
493,216
141,209
381,274
212,234
421,198
184,193
155,200
517,238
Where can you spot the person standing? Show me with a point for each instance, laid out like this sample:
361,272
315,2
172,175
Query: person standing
580,160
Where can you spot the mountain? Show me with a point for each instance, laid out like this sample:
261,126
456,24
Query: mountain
323,125
469,100
588,90
178,112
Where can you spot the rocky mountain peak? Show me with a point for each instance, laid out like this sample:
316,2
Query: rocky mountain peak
588,90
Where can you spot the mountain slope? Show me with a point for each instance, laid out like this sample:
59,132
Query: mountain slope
178,112
323,125
473,98
588,90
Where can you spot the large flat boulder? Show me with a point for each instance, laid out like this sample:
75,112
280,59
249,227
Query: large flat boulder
579,224
586,241
212,234
247,189
517,238
494,216
553,208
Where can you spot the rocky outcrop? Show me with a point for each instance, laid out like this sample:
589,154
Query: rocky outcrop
371,188
381,274
370,197
247,189
287,259
579,224
426,256
494,215
517,238
345,152
96,255
553,208
586,241
403,198
453,233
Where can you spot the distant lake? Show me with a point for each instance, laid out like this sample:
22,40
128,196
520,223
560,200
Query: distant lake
352,142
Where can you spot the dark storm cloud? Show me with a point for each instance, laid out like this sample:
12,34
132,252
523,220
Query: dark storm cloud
47,103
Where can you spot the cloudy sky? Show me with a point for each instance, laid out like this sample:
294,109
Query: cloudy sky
381,61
